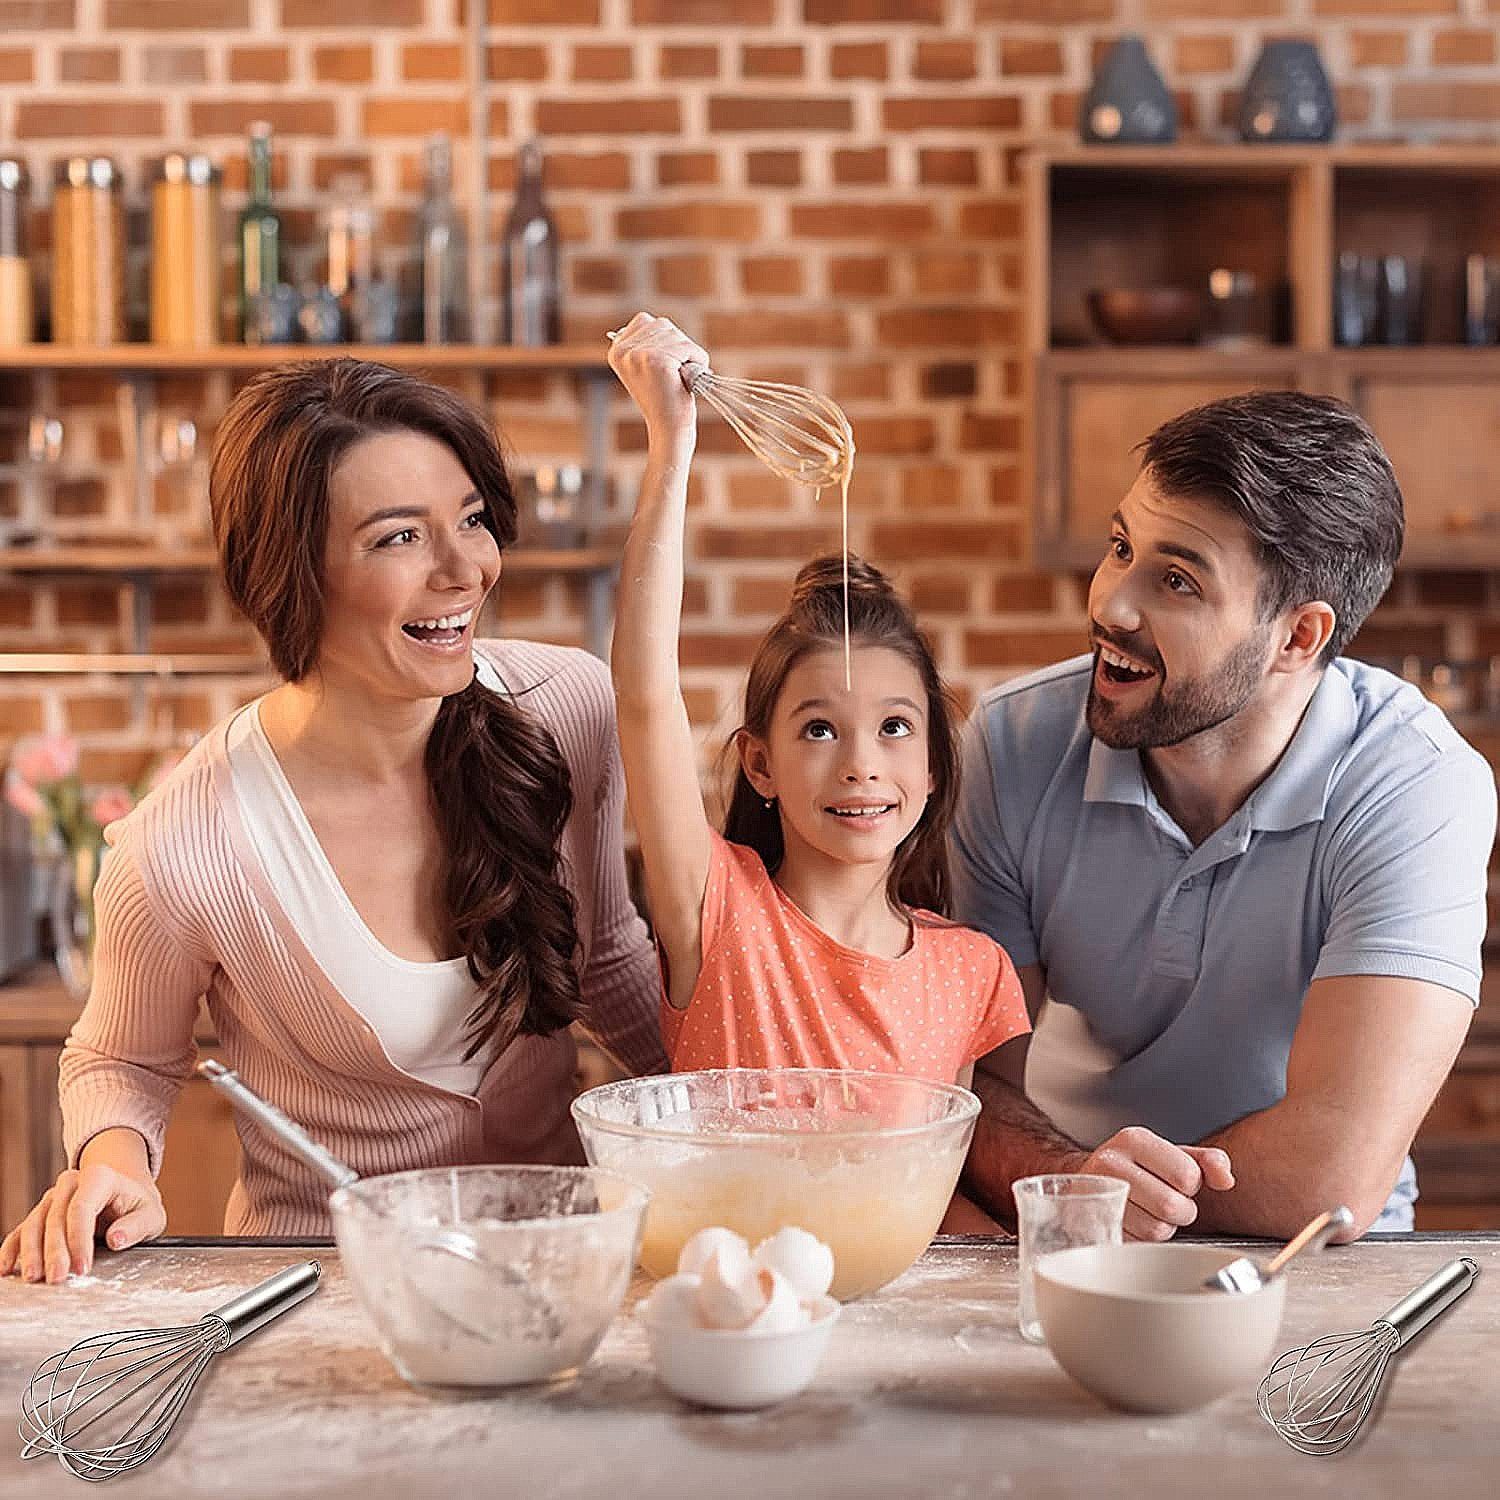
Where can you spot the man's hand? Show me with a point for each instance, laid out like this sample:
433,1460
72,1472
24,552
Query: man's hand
1164,1179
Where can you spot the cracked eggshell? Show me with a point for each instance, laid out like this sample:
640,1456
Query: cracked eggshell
673,1303
730,1295
799,1256
783,1310
731,1247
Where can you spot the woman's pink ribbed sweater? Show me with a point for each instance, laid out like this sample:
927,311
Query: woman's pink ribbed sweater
185,910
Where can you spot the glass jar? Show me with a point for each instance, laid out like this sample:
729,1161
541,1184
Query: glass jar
16,325
185,250
88,252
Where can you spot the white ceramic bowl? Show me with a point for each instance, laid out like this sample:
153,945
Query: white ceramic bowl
1131,1324
731,1368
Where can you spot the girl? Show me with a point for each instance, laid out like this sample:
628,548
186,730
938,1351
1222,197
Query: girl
397,878
810,934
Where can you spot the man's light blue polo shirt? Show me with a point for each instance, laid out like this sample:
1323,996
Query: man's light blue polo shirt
1175,975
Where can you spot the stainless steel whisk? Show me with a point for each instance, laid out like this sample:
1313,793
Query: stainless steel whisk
1318,1397
132,1385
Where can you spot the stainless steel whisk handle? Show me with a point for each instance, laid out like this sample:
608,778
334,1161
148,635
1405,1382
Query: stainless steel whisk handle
242,1315
227,1081
1436,1295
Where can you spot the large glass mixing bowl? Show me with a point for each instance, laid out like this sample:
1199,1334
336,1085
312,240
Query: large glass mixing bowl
866,1161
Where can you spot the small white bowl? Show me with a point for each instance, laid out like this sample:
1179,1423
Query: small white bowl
731,1368
1134,1325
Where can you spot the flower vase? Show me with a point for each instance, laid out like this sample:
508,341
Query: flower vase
1127,102
71,912
1288,96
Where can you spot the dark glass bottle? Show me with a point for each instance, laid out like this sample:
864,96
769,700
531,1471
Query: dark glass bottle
528,260
260,230
442,250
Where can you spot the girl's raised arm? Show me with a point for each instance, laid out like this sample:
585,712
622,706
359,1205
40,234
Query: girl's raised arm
656,740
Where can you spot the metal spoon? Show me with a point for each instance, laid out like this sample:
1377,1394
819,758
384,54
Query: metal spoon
1244,1275
467,1294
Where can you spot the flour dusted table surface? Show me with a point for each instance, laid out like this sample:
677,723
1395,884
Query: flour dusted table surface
927,1390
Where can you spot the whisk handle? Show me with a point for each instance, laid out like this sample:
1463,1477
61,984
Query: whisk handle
693,374
242,1315
1436,1295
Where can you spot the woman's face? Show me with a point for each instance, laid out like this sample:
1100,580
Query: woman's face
408,563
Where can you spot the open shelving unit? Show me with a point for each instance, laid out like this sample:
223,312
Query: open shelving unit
1106,216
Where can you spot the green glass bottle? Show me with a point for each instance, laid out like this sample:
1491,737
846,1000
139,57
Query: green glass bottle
260,231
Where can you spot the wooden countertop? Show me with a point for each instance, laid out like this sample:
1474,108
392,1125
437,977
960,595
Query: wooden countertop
927,1390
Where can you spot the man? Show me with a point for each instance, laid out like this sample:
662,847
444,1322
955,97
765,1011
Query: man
1245,875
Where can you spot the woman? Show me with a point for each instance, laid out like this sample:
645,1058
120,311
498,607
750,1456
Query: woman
397,877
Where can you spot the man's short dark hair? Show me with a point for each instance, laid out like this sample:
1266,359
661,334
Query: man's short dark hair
1311,483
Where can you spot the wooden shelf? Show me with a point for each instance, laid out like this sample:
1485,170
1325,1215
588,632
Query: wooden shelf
124,560
1240,158
581,359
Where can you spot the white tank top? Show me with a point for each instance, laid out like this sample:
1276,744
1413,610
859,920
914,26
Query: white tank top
417,1010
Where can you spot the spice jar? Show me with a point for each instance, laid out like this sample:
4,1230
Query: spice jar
88,252
15,273
184,250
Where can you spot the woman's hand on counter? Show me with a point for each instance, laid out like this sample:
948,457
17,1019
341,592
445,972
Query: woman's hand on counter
103,1196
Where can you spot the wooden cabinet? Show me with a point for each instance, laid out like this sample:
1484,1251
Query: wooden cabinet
1105,217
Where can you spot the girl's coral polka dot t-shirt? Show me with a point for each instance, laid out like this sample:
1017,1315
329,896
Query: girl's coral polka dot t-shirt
776,991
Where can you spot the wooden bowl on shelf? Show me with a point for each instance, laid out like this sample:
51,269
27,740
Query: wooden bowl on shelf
1147,315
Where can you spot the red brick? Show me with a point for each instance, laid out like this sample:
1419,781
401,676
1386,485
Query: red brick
687,169
580,169
990,218
432,62
786,61
735,542
17,606
286,116
175,15
771,276
945,61
925,486
778,112
87,603
1044,12
995,112
599,273
859,275
37,15
685,275
1024,593
897,435
698,648
916,327
948,166
327,14
88,713
853,221
859,60
1476,99
756,488
938,538
329,166
763,329
514,64
1377,49
16,65
20,715
164,64
759,596
873,12
867,167
704,220
602,64
1203,54
702,12
1385,7
989,432
1218,10
945,273
939,594
41,119
689,62
89,65
773,168
344,64
1030,57
656,116
414,116
1020,647
259,65
1463,46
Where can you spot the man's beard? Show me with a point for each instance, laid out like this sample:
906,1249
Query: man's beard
1175,714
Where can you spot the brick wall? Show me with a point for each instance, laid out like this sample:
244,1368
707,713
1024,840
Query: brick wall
823,190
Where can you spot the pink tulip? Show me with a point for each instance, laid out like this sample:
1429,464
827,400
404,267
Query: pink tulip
23,796
110,803
45,759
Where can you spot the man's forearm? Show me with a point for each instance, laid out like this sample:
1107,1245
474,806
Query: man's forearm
1012,1139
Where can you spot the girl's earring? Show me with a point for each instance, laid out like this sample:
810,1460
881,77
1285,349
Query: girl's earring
769,801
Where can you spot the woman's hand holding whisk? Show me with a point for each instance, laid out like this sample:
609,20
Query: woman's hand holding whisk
648,355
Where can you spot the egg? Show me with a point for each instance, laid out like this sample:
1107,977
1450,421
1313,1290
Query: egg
731,1292
802,1258
696,1254
783,1310
674,1302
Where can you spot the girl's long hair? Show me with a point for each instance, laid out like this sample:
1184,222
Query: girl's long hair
814,620
500,788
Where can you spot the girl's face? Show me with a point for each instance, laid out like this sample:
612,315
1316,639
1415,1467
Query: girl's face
408,563
849,767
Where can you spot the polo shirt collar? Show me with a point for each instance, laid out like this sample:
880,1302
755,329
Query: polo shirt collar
1296,791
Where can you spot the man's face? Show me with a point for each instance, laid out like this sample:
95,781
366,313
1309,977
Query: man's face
1179,643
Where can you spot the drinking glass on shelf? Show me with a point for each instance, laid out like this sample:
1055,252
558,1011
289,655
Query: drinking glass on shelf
1401,299
1481,299
1356,301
